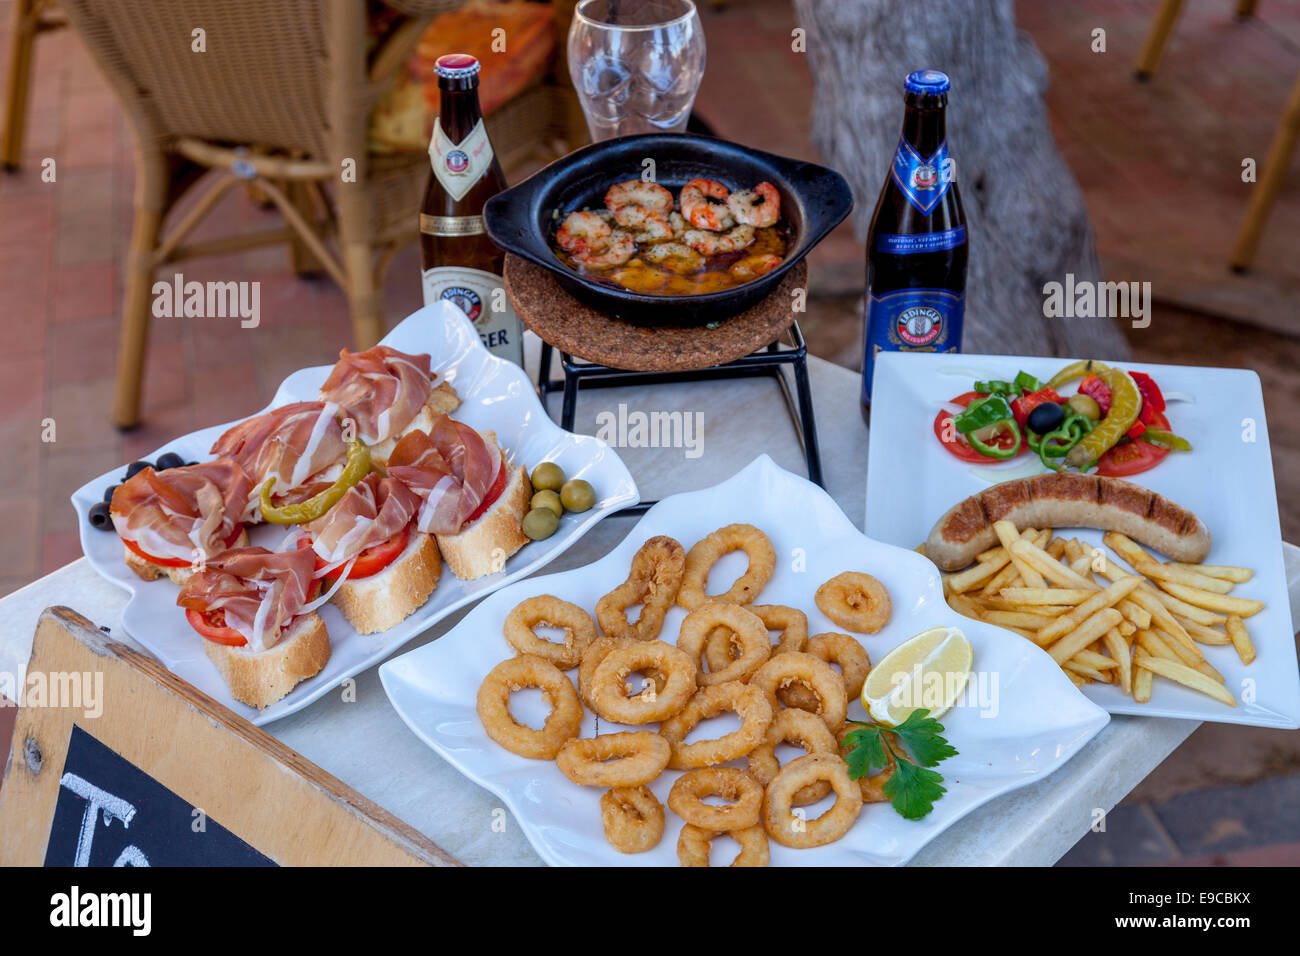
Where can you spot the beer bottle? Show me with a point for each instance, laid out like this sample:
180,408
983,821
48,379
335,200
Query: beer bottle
917,246
459,260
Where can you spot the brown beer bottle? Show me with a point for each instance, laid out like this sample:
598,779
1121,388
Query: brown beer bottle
460,262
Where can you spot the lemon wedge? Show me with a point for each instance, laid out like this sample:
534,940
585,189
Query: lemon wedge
929,670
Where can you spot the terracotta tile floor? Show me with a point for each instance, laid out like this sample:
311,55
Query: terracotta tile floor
1159,164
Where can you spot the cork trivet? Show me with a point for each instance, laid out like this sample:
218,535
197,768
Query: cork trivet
575,327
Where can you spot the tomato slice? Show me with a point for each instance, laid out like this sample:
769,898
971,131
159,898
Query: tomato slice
212,625
957,444
373,560
178,562
1134,456
493,494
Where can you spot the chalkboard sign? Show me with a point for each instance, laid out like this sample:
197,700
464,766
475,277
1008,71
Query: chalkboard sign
164,775
111,813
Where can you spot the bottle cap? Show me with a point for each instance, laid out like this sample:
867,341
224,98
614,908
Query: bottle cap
927,82
456,66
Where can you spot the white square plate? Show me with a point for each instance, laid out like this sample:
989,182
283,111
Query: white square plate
495,394
1227,480
1031,721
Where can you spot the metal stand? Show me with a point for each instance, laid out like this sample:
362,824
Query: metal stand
765,362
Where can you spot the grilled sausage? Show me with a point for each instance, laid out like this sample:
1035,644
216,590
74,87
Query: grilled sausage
1067,501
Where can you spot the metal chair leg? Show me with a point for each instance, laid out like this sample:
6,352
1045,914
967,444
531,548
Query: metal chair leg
1154,46
1266,190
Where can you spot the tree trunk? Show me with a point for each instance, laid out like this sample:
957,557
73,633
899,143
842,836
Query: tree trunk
1027,221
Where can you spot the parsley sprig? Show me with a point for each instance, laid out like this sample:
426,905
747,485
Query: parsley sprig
912,788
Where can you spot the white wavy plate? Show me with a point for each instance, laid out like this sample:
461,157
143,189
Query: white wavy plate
495,394
1038,722
1226,479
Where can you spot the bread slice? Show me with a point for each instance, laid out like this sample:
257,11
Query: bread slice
441,401
482,547
152,572
260,678
378,602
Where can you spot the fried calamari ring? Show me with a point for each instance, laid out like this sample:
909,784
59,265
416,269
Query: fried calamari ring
596,652
747,702
856,601
608,684
872,787
546,610
747,631
652,582
701,559
686,798
792,727
833,648
693,846
626,759
790,829
791,623
562,723
782,670
633,819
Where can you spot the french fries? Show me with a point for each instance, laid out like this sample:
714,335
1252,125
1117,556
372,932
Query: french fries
1102,623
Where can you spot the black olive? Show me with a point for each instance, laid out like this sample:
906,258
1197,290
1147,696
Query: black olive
108,494
191,463
99,516
136,467
169,460
1047,417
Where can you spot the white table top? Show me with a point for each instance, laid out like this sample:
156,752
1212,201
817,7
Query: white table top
365,744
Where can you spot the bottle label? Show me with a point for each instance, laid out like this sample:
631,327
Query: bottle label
911,320
481,296
452,225
900,245
923,181
459,166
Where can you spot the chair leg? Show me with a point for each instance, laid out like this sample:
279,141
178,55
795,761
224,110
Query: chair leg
1149,58
136,310
1266,190
365,297
19,80
301,259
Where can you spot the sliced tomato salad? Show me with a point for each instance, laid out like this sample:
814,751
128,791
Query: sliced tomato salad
1136,455
178,562
956,443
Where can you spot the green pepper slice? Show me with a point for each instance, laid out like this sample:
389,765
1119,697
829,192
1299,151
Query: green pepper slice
995,387
993,451
358,467
1027,383
1160,436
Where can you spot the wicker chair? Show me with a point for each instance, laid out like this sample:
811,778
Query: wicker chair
278,102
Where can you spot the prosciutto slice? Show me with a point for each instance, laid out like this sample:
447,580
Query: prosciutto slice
381,389
173,513
369,514
451,468
292,443
259,591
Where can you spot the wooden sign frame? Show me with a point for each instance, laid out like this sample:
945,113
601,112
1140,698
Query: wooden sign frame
266,794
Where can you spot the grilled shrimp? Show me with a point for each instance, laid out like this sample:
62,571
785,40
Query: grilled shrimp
675,257
636,192
711,243
618,249
650,225
702,213
751,267
583,232
760,206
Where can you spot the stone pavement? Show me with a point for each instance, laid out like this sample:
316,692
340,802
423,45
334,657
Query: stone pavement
1159,165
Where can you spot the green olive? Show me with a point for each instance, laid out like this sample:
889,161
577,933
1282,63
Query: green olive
540,523
577,495
548,499
548,476
1085,405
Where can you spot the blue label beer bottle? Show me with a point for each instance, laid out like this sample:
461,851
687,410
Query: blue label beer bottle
917,246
